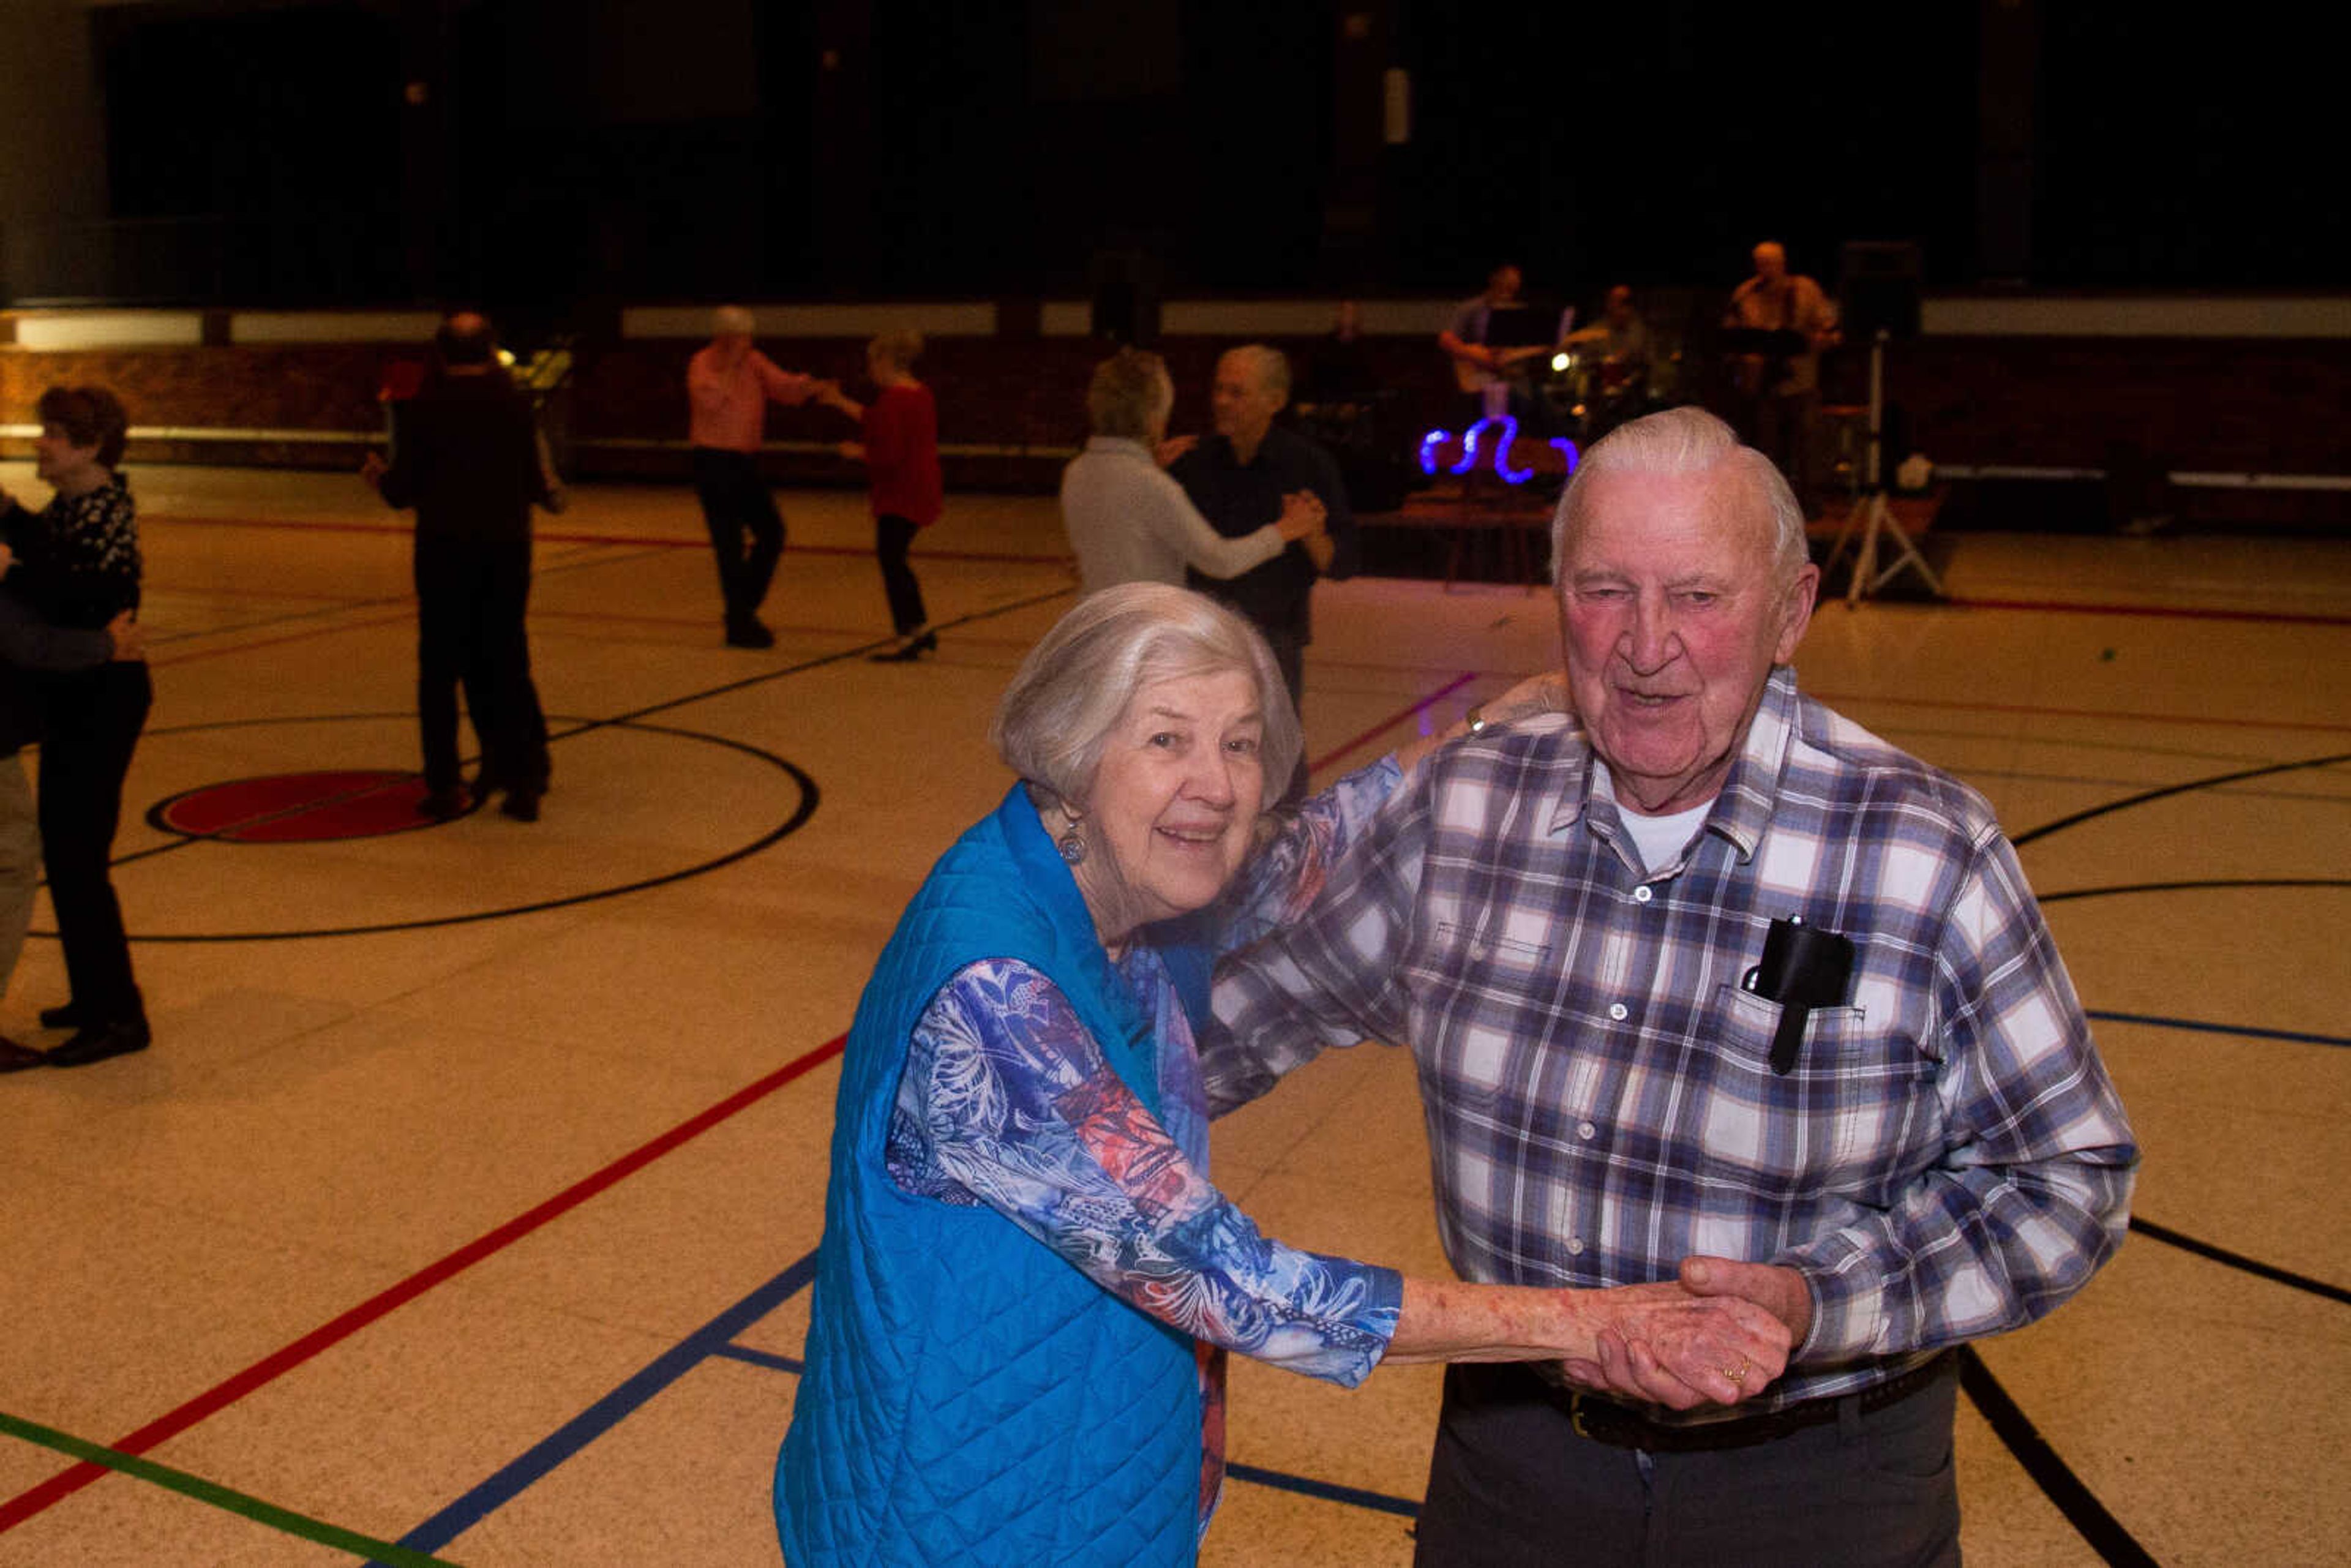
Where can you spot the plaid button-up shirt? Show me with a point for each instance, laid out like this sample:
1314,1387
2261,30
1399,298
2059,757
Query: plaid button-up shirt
1946,1159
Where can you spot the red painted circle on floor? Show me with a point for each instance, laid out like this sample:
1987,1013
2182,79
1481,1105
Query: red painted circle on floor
299,808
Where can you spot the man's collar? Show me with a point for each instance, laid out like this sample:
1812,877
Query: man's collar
1742,808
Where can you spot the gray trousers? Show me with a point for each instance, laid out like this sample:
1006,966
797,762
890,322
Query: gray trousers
1513,1486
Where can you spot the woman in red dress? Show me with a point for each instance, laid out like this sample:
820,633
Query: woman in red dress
900,450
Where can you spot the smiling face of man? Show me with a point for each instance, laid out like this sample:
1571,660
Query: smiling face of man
1673,615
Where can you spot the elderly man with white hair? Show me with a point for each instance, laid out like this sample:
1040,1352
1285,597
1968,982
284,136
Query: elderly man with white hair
1708,984
728,386
1241,479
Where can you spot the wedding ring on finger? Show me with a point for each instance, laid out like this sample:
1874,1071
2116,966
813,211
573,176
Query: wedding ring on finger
1738,1375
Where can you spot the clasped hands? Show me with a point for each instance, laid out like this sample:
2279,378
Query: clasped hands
1303,516
1720,1334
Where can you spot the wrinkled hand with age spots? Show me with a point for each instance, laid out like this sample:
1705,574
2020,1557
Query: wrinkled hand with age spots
1663,1344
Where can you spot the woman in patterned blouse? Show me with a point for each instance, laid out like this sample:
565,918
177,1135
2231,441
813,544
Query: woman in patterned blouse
1144,728
77,565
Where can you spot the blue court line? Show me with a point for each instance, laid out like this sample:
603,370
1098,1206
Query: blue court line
767,1359
607,1413
2201,1027
1330,1491
715,1340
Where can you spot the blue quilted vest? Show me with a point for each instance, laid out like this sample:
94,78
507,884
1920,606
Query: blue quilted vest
970,1397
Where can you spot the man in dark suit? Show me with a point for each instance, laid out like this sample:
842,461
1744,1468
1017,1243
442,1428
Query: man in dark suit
467,455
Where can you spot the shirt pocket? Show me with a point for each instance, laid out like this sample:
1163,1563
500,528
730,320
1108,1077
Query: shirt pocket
1856,1115
1475,1052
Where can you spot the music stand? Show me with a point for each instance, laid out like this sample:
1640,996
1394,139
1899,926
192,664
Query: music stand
1768,342
1870,517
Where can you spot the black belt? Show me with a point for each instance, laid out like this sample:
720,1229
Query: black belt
1604,1421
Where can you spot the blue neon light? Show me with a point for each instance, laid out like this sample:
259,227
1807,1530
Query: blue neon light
1428,446
1469,446
1502,454
1474,446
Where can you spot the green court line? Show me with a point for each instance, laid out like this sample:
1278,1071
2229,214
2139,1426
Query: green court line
221,1497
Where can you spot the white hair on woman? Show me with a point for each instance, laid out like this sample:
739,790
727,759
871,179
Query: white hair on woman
1077,683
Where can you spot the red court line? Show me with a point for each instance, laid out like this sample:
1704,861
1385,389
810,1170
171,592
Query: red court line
652,541
1394,720
26,1504
403,618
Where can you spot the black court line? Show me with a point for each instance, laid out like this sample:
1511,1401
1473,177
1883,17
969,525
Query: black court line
2204,1026
2192,785
790,825
581,726
2090,1518
2238,1261
2197,884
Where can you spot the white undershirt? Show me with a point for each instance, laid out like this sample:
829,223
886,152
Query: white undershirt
1662,839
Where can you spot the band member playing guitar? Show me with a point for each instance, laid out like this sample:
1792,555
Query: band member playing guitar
1483,355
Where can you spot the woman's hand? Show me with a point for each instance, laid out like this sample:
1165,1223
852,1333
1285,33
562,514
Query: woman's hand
1302,515
1657,1342
372,468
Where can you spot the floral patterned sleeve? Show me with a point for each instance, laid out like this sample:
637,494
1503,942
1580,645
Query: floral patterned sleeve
1007,1101
1285,876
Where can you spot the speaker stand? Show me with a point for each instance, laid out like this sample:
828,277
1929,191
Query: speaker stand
1871,520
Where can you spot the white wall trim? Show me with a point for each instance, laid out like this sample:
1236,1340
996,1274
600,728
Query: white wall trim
333,326
961,319
2152,316
65,332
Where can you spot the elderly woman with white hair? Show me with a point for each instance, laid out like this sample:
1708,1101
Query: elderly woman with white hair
1028,1282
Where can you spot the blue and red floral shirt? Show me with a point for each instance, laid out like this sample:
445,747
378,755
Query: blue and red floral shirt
1007,1101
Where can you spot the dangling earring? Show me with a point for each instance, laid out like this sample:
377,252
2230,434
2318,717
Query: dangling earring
1071,843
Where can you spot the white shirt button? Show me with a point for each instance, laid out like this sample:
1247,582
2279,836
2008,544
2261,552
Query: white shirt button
1586,1130
1575,1244
1643,893
1619,1011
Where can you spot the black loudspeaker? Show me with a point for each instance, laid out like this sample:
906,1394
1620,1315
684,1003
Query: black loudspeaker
1126,289
1880,289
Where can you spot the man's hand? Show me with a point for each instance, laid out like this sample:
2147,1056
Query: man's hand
1302,513
1545,693
1666,1345
7,559
1174,446
130,636
372,468
1776,1288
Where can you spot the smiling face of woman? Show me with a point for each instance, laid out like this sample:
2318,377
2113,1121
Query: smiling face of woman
1174,802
